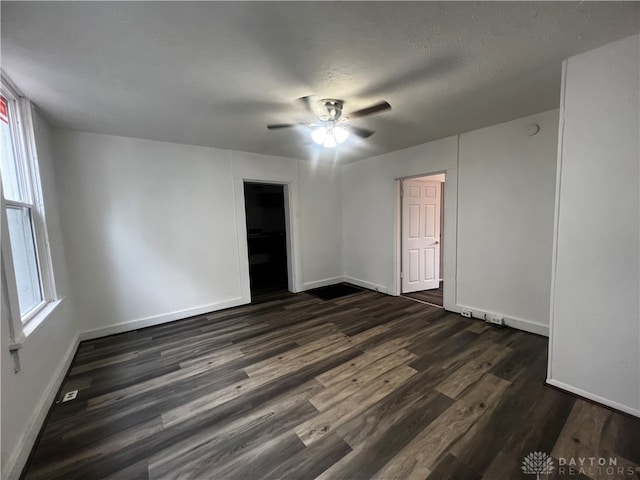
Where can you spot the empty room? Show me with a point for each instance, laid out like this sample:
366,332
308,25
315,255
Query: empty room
320,240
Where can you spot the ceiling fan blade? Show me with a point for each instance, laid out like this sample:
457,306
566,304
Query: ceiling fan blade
378,107
277,126
359,131
309,102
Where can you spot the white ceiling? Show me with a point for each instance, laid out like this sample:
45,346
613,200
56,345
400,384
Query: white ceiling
215,73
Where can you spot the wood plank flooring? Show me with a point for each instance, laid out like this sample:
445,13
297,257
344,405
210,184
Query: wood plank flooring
365,386
430,296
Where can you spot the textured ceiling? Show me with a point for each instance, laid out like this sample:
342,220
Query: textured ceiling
215,73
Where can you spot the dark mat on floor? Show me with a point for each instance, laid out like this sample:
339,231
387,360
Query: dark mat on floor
332,292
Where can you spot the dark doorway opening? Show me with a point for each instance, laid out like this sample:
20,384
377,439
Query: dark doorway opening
266,238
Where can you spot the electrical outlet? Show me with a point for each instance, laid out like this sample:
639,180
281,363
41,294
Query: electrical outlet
70,396
466,313
494,319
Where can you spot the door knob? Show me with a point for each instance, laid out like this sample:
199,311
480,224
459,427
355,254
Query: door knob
436,242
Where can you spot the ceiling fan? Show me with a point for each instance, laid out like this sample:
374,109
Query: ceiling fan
332,127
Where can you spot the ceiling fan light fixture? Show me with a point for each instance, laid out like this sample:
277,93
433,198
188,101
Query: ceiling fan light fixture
333,128
329,141
341,134
329,137
318,135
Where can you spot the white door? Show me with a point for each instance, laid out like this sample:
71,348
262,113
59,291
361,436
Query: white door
420,235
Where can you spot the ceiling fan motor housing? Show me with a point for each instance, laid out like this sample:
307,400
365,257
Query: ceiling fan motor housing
334,108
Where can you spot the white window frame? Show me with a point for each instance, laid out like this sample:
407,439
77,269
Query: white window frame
23,136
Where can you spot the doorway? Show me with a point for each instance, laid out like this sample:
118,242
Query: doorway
421,242
265,211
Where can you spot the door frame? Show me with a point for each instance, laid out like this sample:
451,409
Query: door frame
291,232
449,236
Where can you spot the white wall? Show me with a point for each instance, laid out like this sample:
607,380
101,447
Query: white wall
595,335
321,224
506,196
370,204
153,227
498,218
27,395
149,227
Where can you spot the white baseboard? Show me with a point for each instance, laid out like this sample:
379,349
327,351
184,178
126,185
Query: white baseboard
527,326
596,398
322,283
513,322
18,459
159,319
367,285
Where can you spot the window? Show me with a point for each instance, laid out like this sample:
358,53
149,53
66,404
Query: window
23,207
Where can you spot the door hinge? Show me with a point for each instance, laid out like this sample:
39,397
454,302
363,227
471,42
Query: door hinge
401,274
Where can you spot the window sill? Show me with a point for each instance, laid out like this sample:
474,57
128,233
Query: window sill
39,318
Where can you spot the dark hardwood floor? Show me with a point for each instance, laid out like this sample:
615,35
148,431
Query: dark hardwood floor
430,296
365,386
268,295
